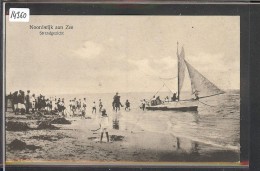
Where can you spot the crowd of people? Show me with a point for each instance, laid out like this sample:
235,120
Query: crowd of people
26,103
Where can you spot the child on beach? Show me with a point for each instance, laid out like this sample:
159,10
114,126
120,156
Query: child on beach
104,124
127,105
100,105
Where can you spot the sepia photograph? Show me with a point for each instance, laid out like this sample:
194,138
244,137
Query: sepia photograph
122,89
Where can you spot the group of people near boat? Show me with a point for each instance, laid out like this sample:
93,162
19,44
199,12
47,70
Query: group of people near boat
157,101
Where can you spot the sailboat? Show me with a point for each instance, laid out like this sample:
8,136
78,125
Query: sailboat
201,87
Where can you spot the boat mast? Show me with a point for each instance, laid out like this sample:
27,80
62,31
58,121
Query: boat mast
178,71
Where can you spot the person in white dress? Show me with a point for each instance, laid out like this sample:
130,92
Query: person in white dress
104,125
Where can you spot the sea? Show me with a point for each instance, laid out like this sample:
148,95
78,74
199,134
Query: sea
216,123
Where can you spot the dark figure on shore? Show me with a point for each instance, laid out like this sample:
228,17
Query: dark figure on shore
127,105
74,105
39,102
104,124
27,101
62,107
79,104
43,105
70,104
15,102
100,105
21,99
143,104
84,108
174,97
49,104
116,103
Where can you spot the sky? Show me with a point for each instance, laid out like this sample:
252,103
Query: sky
103,54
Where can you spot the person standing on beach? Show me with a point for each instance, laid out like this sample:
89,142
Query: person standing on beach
70,105
33,100
53,104
21,100
50,104
43,105
104,124
79,105
143,104
63,106
100,105
47,102
74,106
39,102
84,108
15,102
84,103
94,107
27,101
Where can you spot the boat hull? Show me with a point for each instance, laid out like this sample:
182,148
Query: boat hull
176,106
165,108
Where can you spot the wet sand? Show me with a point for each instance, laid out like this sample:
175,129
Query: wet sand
77,142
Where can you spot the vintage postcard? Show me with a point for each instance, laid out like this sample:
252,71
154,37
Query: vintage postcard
117,89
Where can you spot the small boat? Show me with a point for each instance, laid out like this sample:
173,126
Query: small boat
201,87
183,106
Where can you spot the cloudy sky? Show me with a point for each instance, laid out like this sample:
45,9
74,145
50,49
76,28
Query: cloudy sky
120,53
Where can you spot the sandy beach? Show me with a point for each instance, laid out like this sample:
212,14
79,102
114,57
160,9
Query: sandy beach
77,142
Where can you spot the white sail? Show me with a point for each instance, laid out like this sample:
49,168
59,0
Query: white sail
201,85
181,70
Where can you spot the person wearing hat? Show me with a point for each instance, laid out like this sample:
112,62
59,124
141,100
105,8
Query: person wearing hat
104,124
